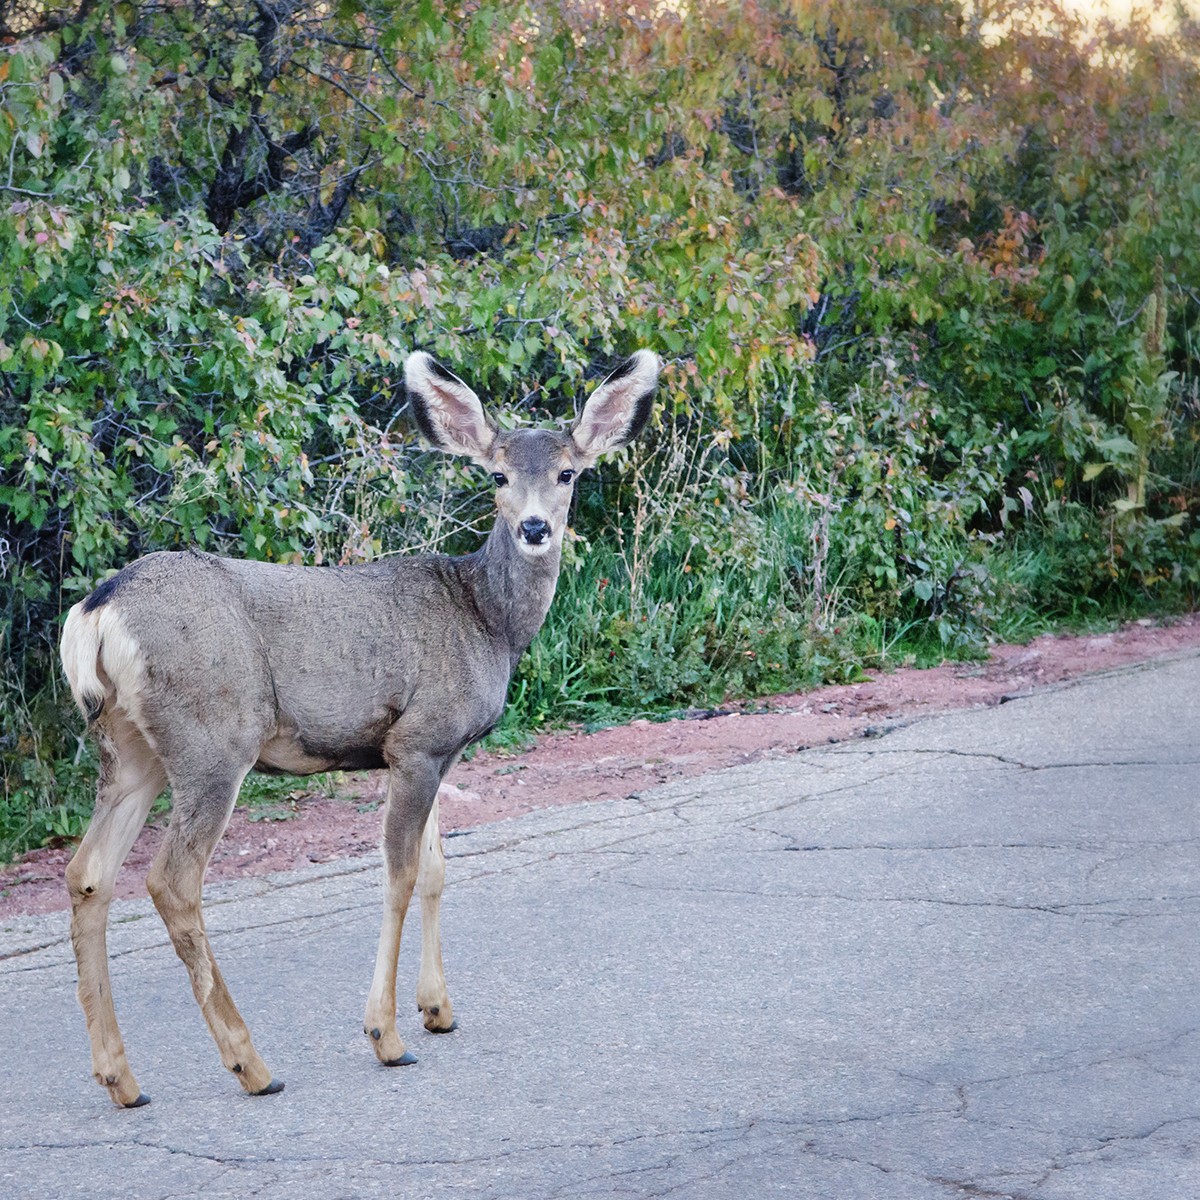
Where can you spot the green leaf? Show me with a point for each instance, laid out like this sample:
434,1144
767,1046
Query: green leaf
1117,445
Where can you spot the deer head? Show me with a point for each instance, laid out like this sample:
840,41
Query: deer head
534,469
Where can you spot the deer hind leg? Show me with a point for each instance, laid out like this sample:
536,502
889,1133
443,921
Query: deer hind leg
432,998
201,811
412,786
131,777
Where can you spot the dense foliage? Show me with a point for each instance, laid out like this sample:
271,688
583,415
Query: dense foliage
926,277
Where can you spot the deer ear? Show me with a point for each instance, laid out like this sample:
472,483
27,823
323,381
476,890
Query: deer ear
618,409
447,412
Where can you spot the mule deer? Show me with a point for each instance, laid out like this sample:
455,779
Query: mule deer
193,670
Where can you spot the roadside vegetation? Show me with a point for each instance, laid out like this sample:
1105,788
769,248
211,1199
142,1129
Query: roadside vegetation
926,278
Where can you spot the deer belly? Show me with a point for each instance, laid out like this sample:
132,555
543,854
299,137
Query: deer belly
287,754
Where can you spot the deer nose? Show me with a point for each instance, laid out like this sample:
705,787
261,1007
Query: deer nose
534,530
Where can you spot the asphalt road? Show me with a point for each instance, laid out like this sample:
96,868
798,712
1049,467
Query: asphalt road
956,960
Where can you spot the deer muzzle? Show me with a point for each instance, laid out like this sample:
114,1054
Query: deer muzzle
534,531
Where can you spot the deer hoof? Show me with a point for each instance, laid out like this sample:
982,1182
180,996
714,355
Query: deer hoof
405,1060
276,1085
142,1098
449,1028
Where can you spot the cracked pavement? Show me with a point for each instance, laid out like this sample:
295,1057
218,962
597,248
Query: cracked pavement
955,960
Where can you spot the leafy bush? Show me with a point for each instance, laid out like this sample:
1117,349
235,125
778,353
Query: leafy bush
924,278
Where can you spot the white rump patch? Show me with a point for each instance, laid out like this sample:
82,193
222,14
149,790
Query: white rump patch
98,641
122,660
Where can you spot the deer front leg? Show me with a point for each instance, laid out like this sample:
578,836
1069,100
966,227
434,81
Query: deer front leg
432,998
412,785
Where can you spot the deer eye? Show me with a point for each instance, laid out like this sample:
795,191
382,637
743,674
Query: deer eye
499,479
566,476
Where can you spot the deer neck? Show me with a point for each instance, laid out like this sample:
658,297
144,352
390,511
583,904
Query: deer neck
514,591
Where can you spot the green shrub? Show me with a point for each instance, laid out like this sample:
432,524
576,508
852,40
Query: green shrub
925,286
